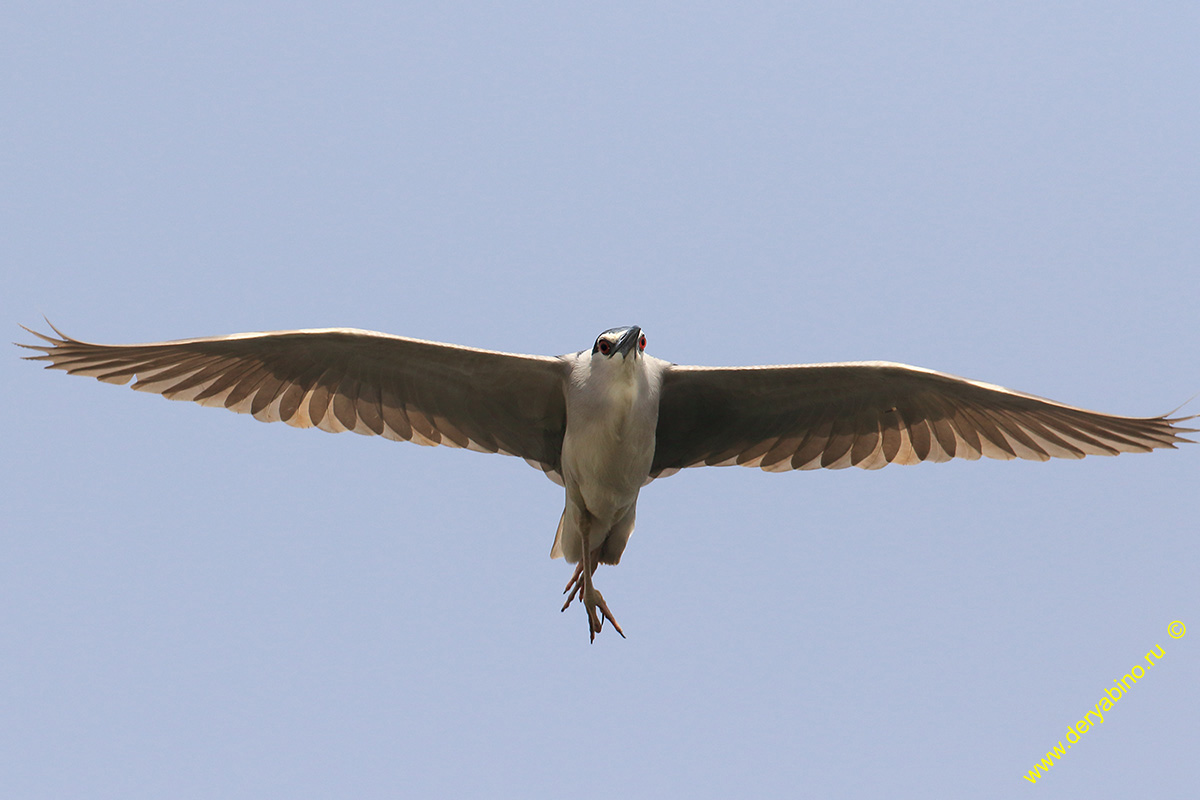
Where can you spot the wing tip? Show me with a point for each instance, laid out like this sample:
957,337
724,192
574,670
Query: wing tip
46,349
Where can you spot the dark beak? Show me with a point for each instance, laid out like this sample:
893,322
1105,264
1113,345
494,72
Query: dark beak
629,341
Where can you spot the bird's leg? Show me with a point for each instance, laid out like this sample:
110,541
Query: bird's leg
581,586
588,594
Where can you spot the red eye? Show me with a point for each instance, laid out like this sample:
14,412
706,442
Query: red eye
642,342
604,346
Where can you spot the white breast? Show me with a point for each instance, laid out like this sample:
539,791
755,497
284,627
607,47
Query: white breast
612,412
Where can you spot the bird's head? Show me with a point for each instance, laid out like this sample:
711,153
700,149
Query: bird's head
620,344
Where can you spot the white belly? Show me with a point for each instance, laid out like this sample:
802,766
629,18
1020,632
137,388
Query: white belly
606,460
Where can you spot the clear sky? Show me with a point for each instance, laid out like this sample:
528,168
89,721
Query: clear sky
197,605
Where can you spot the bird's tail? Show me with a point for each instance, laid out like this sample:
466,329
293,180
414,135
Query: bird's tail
556,550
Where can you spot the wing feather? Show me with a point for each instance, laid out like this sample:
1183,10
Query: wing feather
870,414
343,379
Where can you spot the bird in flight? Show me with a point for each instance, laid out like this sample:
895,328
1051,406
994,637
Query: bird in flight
606,421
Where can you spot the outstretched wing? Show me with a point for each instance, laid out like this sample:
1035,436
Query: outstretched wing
871,414
342,379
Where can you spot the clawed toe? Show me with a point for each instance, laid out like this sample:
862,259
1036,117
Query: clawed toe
574,586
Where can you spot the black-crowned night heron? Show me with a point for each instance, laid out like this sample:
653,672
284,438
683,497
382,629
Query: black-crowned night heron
605,422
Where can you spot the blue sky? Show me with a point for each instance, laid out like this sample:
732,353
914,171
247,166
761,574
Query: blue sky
199,605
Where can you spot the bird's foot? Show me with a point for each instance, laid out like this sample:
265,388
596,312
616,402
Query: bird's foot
593,601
